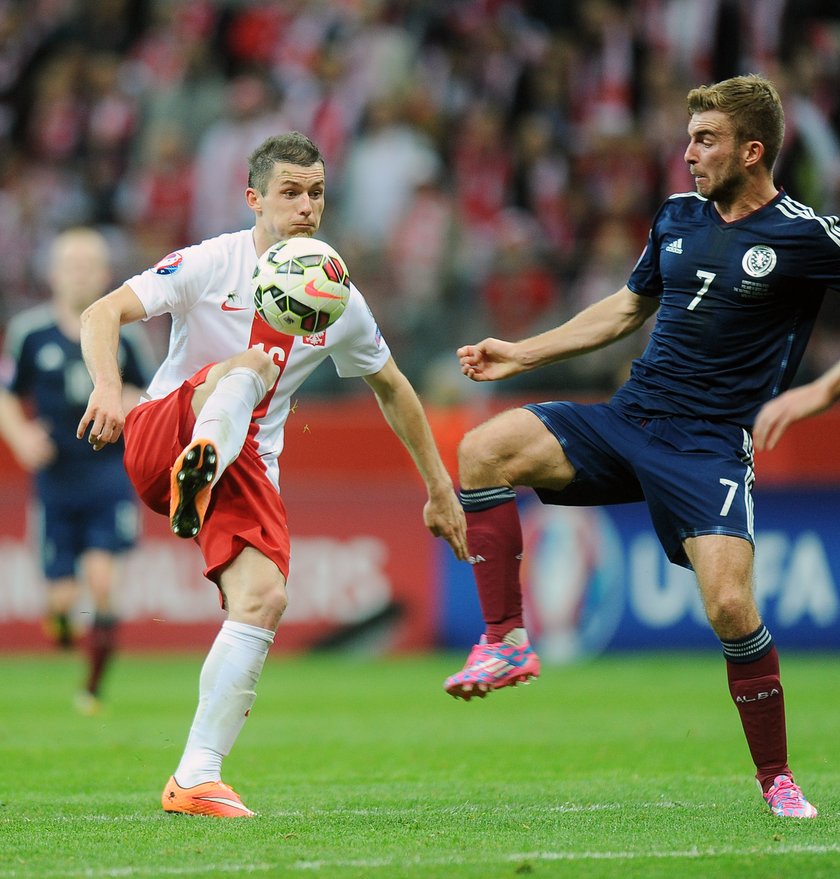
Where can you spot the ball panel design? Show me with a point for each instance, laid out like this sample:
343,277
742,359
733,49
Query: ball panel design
301,286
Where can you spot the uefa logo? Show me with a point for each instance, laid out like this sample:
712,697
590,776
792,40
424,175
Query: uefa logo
169,264
573,580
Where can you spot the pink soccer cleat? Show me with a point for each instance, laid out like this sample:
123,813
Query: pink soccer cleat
786,800
493,666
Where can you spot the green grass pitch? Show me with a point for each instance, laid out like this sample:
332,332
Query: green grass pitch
628,766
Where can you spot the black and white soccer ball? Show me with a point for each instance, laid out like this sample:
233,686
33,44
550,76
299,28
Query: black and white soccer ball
301,286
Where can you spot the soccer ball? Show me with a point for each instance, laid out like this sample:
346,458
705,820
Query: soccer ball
301,286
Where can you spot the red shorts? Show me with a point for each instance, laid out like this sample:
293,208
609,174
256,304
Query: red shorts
245,508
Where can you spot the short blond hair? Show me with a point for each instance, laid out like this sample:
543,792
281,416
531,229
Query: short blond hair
753,105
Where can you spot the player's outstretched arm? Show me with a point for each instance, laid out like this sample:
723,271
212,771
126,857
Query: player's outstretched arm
404,413
489,360
101,322
595,327
777,415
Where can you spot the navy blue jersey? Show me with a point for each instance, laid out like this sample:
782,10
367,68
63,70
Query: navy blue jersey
48,371
738,302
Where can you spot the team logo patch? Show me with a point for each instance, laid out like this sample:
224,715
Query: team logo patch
316,340
169,264
759,261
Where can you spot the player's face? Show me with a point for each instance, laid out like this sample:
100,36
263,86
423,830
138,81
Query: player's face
713,156
292,204
79,271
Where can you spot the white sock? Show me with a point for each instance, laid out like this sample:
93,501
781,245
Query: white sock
226,693
517,637
225,417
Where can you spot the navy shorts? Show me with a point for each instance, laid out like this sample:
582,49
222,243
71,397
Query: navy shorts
68,530
695,476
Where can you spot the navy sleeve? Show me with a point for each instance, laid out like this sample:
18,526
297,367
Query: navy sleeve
646,278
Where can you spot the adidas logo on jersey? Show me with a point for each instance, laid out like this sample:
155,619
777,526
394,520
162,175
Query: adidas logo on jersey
675,246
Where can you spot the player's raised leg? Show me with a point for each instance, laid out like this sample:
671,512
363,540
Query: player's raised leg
223,405
724,568
514,448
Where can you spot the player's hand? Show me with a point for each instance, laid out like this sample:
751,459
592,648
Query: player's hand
489,360
104,416
444,517
34,449
777,415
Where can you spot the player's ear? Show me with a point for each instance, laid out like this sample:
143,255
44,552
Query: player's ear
753,152
253,199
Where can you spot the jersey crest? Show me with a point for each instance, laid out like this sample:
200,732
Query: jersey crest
759,261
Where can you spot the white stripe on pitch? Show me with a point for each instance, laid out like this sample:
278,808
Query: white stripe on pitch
391,863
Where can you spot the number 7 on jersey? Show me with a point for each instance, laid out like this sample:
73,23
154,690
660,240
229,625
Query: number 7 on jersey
707,278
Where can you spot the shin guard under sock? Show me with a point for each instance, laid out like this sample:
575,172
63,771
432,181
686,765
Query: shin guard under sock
494,540
752,666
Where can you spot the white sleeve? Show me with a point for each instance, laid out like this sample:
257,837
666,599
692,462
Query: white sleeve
360,348
176,282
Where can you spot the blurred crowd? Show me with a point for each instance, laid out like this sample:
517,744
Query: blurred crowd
492,165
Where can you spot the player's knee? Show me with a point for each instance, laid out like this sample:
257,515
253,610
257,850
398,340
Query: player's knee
477,461
262,602
261,362
275,601
258,597
730,613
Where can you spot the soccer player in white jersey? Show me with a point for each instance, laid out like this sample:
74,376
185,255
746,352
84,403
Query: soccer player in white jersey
203,447
735,273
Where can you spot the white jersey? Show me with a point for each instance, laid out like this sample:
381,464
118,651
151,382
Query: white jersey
206,288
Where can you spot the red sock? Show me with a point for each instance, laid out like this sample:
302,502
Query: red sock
756,689
494,539
103,635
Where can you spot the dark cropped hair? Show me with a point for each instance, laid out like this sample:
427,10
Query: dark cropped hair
753,105
292,147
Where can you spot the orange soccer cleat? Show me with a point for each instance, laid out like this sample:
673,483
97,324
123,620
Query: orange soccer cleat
190,486
213,798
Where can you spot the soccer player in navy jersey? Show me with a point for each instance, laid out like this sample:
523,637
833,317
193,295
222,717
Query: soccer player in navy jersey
88,512
735,273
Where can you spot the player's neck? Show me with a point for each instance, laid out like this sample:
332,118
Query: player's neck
68,320
747,201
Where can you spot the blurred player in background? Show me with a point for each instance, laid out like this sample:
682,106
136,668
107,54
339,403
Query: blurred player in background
87,508
220,427
736,273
